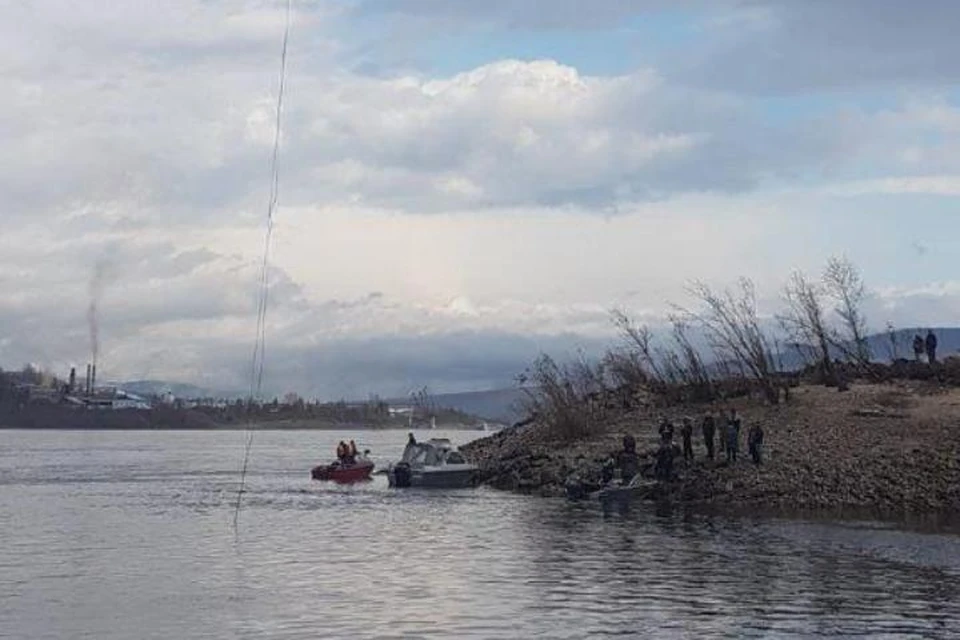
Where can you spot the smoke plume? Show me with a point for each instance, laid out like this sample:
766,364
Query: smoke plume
93,311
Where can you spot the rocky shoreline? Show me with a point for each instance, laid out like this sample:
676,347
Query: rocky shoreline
891,449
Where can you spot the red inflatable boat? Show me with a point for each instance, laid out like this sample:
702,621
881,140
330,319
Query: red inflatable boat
337,472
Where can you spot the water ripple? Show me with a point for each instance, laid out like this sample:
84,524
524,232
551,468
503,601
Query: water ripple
119,535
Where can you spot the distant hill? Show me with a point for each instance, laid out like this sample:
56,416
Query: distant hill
178,389
496,405
948,342
882,349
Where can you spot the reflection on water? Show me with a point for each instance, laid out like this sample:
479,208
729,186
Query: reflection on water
123,535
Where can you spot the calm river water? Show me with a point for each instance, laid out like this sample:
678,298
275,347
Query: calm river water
112,535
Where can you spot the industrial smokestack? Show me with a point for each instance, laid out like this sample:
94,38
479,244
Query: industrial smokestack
73,379
93,314
86,383
93,378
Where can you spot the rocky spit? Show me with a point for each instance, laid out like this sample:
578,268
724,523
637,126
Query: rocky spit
888,449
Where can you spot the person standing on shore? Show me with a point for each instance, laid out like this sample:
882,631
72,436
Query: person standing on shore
686,432
664,466
666,431
733,436
722,434
918,346
931,345
709,428
755,443
627,460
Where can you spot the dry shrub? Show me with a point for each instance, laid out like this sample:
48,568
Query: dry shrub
569,400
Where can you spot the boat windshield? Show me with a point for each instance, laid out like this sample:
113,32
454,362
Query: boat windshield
428,454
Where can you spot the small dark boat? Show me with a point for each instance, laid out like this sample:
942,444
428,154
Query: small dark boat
344,472
638,489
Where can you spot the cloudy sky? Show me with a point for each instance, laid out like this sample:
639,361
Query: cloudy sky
463,184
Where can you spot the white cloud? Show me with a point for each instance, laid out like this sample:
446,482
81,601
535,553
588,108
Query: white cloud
931,185
936,304
473,217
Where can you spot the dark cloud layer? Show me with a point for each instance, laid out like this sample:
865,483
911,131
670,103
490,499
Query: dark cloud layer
528,14
395,365
742,46
822,45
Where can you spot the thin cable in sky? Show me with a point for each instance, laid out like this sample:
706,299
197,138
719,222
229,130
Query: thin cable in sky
259,345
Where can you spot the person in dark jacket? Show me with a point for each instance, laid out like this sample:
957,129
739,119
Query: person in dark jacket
918,347
664,466
666,431
627,460
755,443
733,436
709,428
686,433
931,345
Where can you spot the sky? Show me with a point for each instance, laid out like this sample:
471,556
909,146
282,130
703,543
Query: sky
463,185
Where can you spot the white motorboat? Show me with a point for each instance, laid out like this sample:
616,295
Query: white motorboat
434,463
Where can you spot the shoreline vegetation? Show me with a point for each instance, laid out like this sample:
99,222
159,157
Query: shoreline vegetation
842,431
178,419
32,399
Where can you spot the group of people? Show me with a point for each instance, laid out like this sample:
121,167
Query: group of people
729,440
347,453
928,345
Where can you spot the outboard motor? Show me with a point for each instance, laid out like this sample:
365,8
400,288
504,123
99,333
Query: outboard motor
401,475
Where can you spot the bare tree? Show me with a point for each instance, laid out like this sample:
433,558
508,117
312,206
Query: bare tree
845,286
626,368
422,405
690,364
806,354
569,400
640,339
805,323
731,321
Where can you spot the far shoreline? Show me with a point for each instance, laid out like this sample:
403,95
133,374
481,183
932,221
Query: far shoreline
261,427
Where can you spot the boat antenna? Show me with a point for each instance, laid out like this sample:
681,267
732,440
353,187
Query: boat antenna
259,343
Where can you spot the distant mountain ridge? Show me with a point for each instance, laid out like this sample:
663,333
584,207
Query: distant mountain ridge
178,389
883,349
948,342
496,405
